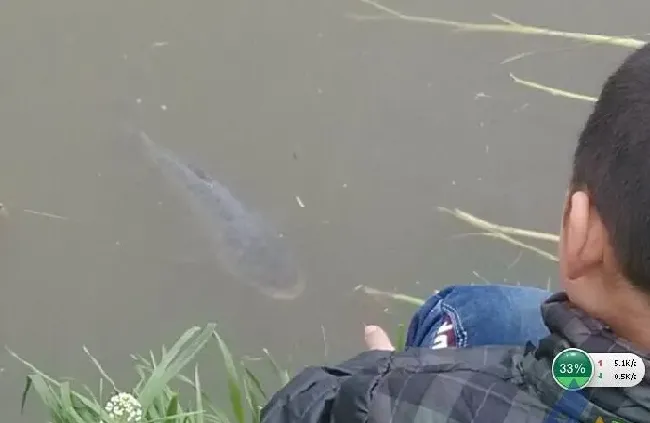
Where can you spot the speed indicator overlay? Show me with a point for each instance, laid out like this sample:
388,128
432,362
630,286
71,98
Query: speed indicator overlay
573,369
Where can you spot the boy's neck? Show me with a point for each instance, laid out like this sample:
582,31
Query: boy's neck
628,316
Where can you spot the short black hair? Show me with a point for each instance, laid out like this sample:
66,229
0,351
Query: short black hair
612,164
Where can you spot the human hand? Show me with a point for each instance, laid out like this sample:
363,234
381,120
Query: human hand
377,339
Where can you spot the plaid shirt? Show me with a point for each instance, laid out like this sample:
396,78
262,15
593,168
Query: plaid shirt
481,385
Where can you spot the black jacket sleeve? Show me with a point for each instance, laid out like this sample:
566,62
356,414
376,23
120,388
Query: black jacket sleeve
309,397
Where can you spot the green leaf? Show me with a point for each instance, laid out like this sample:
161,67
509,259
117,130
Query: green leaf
233,380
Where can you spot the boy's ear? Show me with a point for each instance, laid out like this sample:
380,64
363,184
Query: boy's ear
582,236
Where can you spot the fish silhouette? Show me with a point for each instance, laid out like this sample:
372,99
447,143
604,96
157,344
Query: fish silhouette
247,247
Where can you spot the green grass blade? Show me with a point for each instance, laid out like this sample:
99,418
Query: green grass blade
159,402
39,374
142,374
198,395
90,393
44,391
400,337
101,390
204,397
172,363
177,416
255,381
26,389
157,379
47,397
219,415
160,406
99,367
252,401
282,374
172,410
234,387
153,415
66,402
141,359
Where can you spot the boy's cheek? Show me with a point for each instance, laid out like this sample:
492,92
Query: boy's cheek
566,265
561,252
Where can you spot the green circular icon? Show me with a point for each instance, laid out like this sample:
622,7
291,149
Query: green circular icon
572,369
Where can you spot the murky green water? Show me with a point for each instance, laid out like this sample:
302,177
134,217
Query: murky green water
372,125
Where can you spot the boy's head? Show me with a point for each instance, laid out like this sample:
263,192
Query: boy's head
605,238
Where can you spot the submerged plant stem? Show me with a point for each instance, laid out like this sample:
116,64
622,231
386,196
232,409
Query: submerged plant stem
390,295
504,232
507,26
517,243
493,227
554,91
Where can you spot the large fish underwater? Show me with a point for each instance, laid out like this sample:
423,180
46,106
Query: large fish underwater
247,247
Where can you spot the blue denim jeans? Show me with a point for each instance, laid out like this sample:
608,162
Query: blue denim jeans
471,316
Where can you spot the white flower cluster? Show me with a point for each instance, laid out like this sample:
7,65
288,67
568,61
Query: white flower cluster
124,408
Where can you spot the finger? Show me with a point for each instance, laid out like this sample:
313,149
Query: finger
377,339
